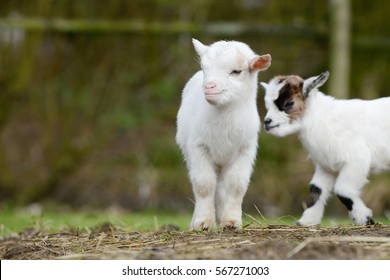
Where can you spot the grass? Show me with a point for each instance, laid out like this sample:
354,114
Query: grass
15,220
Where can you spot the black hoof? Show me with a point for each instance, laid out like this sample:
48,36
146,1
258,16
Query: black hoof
370,221
230,228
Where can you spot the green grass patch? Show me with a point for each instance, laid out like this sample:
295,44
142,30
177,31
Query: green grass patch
14,221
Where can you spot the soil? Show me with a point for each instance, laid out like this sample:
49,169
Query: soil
271,242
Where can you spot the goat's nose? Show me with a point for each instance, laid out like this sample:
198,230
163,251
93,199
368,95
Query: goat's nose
210,85
267,121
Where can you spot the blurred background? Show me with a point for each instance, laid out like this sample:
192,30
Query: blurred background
89,92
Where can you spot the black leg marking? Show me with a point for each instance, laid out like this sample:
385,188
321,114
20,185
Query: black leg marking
346,201
315,193
370,221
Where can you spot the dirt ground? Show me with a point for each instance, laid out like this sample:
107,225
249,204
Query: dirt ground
271,242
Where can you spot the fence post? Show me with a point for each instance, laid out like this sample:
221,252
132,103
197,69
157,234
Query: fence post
340,51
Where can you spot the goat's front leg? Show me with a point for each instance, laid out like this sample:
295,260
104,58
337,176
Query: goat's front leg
204,181
350,181
320,188
233,184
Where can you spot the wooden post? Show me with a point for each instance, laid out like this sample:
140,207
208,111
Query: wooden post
340,51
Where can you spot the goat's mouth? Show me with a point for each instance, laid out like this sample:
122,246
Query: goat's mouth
269,127
212,94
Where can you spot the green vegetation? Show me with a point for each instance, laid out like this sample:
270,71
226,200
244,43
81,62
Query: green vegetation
14,221
19,220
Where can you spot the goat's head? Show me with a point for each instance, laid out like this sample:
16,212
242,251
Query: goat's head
285,101
230,70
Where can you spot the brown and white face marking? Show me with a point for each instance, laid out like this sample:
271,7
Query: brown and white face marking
285,101
291,99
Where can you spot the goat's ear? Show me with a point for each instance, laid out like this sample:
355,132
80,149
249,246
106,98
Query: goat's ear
314,82
260,63
264,85
199,47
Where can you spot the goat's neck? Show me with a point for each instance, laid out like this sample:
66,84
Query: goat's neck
315,119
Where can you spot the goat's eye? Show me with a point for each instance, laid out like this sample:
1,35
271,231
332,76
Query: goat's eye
288,105
236,72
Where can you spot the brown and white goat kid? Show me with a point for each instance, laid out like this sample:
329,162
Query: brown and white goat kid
346,139
217,130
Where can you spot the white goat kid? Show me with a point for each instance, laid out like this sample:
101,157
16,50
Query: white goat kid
346,139
217,130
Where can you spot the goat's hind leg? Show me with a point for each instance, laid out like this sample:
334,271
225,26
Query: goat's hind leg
320,188
230,194
348,187
234,181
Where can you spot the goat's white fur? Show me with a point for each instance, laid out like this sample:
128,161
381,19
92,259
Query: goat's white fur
217,130
346,139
